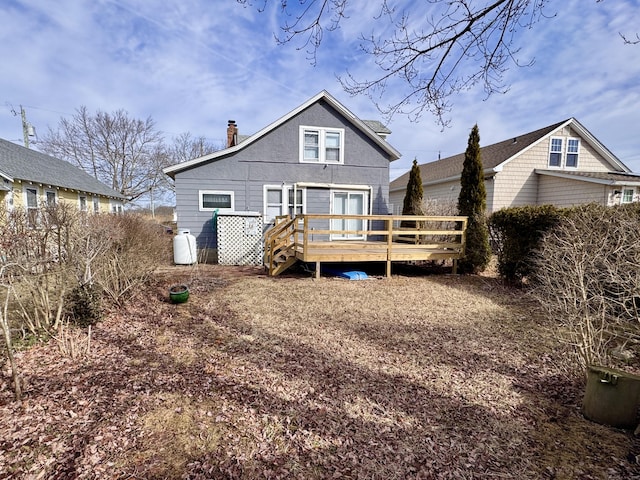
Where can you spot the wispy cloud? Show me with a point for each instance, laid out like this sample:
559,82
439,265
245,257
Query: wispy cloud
191,65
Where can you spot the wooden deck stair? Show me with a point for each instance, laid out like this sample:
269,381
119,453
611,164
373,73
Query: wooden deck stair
280,246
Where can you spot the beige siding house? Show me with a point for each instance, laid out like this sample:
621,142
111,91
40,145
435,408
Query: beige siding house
30,179
562,164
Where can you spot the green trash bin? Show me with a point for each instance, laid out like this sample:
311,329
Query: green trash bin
612,397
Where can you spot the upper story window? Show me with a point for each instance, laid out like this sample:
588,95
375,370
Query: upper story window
321,145
555,153
573,146
210,200
564,153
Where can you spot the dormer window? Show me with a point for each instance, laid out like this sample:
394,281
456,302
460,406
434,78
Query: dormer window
321,145
561,158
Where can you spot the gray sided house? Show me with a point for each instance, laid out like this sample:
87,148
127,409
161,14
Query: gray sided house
562,164
317,159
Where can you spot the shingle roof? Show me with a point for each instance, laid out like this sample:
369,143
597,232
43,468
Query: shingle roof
609,178
492,156
20,163
377,126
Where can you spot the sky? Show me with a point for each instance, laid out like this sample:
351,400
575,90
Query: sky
192,65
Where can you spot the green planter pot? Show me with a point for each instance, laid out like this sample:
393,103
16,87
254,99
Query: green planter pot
612,397
179,294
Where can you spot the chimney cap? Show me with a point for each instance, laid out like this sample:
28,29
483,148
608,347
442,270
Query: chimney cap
232,122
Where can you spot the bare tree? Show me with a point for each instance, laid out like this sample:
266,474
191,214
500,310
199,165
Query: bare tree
432,52
183,148
122,152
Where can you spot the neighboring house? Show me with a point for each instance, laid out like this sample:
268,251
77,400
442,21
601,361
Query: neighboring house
562,164
318,159
31,179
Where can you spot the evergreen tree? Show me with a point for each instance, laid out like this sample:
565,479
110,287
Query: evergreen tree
412,204
472,203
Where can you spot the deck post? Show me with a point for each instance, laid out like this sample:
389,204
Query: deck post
389,244
317,269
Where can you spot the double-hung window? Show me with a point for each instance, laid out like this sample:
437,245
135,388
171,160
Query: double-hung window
31,201
573,146
555,153
321,145
564,154
283,200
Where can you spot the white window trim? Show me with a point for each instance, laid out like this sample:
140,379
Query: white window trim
566,154
216,192
95,199
284,189
86,202
322,132
25,197
55,196
633,195
561,152
365,205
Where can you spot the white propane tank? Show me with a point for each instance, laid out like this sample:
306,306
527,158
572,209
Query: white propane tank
184,248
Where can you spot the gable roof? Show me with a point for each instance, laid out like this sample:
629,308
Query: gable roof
497,155
20,163
323,95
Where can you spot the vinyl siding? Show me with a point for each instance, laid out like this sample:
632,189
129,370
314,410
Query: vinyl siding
566,193
517,183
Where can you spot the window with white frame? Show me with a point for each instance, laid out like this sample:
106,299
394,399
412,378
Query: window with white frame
281,200
321,145
96,205
561,158
50,198
210,200
82,201
627,195
573,147
31,201
555,153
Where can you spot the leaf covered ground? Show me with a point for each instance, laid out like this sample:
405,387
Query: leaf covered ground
410,377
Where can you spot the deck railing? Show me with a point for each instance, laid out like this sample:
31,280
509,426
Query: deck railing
352,238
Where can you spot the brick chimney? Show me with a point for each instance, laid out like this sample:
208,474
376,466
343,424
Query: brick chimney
232,134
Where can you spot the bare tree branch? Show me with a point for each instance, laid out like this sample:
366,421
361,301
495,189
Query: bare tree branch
428,57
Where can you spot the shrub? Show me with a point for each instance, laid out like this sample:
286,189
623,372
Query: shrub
587,276
516,234
133,248
83,305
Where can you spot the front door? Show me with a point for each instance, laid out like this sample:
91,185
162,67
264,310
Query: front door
348,203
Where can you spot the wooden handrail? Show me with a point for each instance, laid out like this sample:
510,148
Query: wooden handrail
298,236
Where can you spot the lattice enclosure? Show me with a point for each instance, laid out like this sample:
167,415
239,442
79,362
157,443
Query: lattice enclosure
240,240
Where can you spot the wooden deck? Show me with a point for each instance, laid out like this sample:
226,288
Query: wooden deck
376,238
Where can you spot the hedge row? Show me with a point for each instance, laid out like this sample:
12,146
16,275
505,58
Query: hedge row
517,232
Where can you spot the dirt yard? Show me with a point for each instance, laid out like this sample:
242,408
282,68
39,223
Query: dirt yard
423,377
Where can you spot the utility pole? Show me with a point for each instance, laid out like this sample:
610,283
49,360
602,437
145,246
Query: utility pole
27,129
